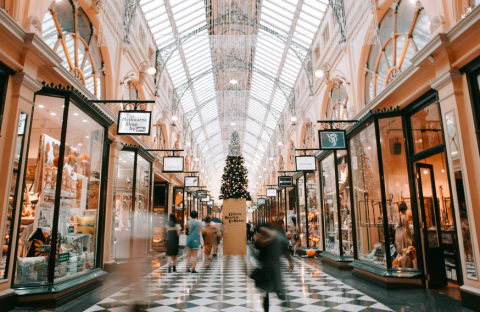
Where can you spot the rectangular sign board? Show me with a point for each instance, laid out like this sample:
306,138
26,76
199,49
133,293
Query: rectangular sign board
206,198
254,207
271,193
332,139
306,163
210,203
134,122
261,201
173,164
285,181
191,181
201,194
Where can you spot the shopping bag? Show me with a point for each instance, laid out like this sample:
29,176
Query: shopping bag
182,241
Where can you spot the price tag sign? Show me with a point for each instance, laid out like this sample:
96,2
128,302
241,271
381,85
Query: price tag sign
64,257
134,122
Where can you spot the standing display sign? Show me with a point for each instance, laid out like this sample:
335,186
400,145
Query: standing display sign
306,163
206,198
271,193
134,122
191,181
261,201
285,181
201,194
332,139
234,219
173,164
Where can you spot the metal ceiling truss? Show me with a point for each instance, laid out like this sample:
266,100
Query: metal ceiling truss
303,53
130,9
180,91
339,12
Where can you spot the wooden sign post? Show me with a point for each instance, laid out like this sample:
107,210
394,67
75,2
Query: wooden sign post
235,220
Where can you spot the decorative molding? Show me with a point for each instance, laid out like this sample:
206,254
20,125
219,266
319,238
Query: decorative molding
16,95
27,81
10,61
117,145
35,22
446,78
450,95
436,22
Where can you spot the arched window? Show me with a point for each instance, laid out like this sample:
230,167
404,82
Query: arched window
403,31
68,31
338,107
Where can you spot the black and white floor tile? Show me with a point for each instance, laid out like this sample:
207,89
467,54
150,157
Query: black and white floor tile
226,287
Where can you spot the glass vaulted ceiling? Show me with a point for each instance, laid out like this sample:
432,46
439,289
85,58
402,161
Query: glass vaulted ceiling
169,20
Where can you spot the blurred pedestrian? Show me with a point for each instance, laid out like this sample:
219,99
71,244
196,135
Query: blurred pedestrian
210,240
295,236
195,227
268,277
249,229
173,233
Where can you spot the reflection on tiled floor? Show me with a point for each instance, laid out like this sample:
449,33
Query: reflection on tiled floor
226,287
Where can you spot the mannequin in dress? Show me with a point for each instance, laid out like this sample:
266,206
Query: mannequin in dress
403,236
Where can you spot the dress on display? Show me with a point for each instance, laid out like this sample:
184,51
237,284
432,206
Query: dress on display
403,236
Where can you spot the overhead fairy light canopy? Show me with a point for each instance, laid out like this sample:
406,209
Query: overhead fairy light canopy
234,65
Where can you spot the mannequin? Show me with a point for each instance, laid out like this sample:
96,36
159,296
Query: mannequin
403,236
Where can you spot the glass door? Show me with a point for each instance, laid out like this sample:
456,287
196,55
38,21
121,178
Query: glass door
430,224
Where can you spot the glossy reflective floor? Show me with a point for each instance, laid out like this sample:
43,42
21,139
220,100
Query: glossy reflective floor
226,287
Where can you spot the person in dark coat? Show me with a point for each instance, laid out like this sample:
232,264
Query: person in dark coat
173,233
272,245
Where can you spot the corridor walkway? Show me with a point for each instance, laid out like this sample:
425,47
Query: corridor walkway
226,287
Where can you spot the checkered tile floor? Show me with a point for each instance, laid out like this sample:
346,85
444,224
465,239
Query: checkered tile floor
226,287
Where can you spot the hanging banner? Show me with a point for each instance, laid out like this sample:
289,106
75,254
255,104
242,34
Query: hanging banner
134,122
261,201
201,194
206,198
271,193
306,163
285,181
191,181
173,164
332,139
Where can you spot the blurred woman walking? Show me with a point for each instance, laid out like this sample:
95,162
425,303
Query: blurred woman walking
195,227
173,232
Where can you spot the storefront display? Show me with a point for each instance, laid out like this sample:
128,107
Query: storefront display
302,216
312,211
59,223
160,215
178,206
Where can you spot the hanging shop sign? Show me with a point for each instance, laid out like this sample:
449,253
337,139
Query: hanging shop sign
271,193
134,122
254,207
332,139
285,181
191,181
250,210
201,194
210,203
261,201
173,164
21,124
306,163
206,198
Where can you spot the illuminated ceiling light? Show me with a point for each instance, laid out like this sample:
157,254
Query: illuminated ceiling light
319,73
84,120
196,159
188,143
425,171
87,137
201,170
41,106
151,70
233,124
53,114
233,81
75,114
174,118
264,169
271,158
293,119
280,143
124,161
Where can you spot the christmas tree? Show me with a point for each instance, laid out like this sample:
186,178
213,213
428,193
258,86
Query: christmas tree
234,179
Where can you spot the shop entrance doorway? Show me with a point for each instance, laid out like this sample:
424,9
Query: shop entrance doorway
429,212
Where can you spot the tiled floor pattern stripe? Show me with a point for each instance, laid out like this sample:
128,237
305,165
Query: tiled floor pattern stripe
226,287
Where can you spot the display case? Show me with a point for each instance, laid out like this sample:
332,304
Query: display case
178,206
60,226
160,216
336,209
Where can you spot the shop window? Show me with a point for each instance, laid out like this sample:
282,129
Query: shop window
4,75
367,197
178,206
302,217
426,128
397,190
69,135
69,32
403,32
13,195
456,165
330,208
